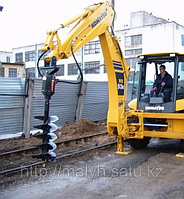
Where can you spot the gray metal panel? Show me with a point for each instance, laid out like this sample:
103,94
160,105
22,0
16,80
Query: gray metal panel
11,107
63,102
12,85
96,101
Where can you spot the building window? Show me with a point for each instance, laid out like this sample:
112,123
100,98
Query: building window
60,72
19,57
119,39
7,59
92,47
92,67
12,72
128,52
79,52
133,40
136,39
30,56
182,40
138,51
133,52
73,69
2,72
132,62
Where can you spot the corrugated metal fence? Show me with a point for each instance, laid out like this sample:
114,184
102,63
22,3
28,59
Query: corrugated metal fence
63,103
11,105
96,101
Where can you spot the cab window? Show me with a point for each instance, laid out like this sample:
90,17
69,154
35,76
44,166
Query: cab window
180,82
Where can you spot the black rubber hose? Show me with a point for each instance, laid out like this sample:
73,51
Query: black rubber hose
38,63
81,74
80,71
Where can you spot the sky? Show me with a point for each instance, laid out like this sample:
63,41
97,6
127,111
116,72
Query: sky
25,23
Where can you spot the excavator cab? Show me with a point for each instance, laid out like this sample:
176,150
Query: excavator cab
147,70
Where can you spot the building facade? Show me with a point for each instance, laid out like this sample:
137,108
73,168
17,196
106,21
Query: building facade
146,34
15,70
150,34
8,68
89,58
6,56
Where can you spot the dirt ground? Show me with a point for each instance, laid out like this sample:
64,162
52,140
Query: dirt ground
154,172
70,130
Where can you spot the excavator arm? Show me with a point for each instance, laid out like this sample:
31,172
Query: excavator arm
96,21
93,22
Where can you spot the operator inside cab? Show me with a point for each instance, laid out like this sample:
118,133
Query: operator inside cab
162,85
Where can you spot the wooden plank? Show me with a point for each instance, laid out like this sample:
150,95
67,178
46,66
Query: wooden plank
28,108
80,102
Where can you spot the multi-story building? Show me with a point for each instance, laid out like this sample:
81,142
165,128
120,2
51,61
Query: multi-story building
146,34
149,34
9,69
12,70
89,58
6,56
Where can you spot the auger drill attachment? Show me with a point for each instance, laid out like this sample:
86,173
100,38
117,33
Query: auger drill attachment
48,126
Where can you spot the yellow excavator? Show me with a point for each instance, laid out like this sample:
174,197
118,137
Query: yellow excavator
145,117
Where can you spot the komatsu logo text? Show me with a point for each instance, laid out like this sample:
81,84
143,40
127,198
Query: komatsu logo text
99,19
154,108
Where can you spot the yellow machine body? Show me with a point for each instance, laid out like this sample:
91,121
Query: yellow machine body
95,21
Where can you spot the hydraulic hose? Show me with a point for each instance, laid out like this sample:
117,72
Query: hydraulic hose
80,71
68,82
38,68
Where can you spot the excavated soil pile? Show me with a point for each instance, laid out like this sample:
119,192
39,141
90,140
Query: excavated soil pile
70,130
80,128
